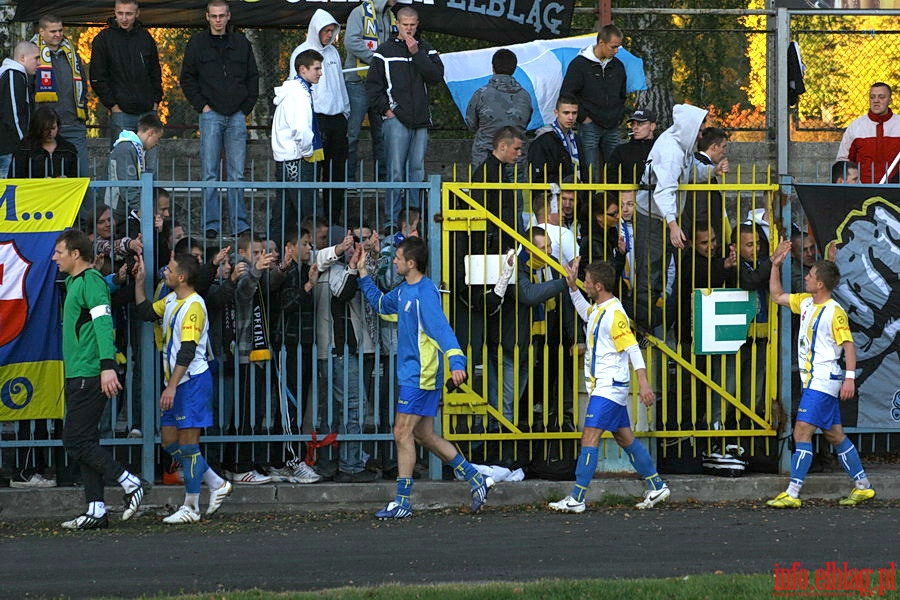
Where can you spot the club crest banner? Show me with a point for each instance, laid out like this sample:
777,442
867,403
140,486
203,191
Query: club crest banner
863,224
33,212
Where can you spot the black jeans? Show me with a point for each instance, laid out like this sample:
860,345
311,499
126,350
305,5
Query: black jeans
85,402
333,129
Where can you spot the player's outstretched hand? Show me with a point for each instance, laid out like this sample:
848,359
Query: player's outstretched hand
572,273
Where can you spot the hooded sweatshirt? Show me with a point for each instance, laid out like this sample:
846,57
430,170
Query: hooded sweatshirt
292,125
15,105
598,86
330,94
672,160
503,101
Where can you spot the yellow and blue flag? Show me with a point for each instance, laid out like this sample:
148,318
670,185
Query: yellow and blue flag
33,212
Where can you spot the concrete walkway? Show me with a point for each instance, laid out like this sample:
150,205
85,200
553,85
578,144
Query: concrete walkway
65,502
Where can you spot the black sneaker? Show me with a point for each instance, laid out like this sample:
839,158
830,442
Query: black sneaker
87,521
343,477
132,502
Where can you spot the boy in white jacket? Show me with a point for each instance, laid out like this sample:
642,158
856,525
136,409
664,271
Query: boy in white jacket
296,142
331,102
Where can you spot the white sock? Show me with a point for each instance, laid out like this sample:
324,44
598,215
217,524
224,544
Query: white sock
212,479
129,482
793,489
862,484
192,501
96,509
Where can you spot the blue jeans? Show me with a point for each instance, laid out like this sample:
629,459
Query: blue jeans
595,139
509,379
5,162
359,106
349,404
229,133
406,162
119,121
77,136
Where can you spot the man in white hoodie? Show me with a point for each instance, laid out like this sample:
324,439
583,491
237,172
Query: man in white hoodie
671,160
331,104
296,142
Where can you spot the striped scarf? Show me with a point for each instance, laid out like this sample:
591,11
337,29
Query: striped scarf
318,147
370,30
569,143
45,80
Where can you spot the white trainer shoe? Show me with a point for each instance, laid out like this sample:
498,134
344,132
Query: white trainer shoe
217,497
249,478
303,473
185,514
653,497
567,504
36,481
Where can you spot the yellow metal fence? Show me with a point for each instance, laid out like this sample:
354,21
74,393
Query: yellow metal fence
527,392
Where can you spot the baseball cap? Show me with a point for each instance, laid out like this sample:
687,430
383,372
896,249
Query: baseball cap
641,115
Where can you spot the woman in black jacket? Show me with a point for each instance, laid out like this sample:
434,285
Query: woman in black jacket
42,153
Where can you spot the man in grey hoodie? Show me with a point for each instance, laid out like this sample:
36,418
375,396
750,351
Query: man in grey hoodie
671,161
503,101
369,25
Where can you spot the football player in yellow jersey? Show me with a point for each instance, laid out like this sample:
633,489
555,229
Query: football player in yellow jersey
186,400
611,345
824,336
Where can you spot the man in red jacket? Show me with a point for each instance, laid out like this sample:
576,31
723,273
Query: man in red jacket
873,140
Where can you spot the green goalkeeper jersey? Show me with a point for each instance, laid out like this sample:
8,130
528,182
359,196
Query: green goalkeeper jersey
88,344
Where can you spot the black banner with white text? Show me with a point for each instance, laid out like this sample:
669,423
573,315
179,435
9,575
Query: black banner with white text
498,21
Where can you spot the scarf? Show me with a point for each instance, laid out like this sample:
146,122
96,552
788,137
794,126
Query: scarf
569,143
372,319
318,148
259,331
880,120
540,273
371,30
45,80
132,138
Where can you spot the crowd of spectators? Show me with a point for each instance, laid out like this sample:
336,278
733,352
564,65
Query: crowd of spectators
293,287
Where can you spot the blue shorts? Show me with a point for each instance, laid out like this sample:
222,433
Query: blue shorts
605,414
819,409
414,401
193,404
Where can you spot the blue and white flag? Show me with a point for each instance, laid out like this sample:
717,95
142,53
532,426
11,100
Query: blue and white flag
541,67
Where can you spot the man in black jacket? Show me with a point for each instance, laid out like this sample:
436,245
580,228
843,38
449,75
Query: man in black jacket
220,79
507,148
708,206
596,78
16,100
396,86
125,72
556,152
627,162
